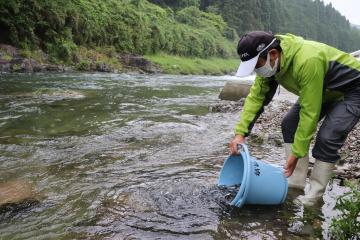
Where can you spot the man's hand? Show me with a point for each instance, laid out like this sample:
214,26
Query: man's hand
290,165
233,144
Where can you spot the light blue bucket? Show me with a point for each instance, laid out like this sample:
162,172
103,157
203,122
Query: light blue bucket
260,182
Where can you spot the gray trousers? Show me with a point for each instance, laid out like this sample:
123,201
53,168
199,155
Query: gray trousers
339,119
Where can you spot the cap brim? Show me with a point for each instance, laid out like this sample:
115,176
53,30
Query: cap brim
247,67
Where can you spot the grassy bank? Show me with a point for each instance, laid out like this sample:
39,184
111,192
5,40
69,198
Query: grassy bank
197,66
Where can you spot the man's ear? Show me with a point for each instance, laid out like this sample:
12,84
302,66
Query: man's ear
273,54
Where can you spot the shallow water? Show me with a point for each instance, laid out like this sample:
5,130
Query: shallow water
118,156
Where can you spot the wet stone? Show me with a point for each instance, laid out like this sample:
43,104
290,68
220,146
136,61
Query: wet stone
16,195
227,106
234,91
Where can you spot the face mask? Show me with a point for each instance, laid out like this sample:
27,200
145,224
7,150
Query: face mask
267,70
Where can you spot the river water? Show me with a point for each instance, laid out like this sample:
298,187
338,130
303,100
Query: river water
117,156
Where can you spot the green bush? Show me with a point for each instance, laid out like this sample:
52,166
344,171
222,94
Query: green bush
37,55
128,26
6,57
62,50
83,65
347,226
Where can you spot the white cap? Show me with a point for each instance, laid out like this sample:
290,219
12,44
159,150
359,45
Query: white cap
247,67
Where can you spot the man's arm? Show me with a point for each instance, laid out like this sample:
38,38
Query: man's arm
260,95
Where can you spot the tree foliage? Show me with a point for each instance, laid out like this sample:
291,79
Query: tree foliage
308,18
176,4
131,26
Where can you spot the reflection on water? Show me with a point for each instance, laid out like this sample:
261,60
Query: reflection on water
130,157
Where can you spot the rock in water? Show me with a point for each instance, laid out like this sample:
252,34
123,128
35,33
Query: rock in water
234,91
16,192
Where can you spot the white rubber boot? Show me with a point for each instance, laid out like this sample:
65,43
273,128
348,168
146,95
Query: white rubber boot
298,178
319,178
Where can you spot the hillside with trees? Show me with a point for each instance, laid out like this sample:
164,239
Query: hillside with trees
310,19
68,31
129,26
307,18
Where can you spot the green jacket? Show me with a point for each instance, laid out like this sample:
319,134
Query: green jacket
315,72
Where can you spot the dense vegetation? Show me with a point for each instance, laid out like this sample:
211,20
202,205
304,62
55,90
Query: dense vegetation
200,28
308,18
131,26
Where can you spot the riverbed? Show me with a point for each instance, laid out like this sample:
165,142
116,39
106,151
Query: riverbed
132,156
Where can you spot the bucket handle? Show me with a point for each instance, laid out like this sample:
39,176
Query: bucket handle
244,188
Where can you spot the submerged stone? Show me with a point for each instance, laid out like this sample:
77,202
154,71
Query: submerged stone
58,94
16,192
